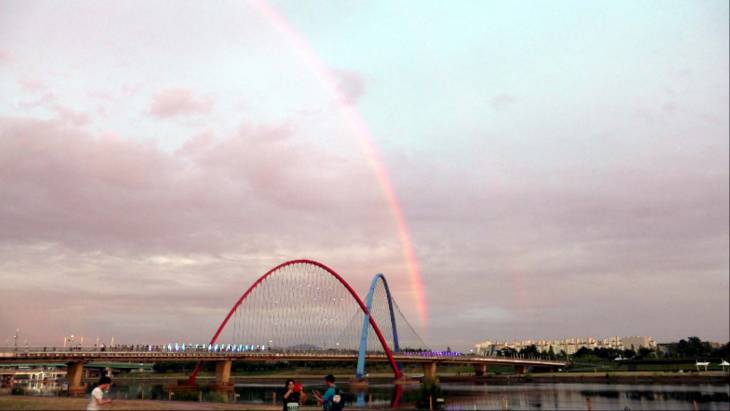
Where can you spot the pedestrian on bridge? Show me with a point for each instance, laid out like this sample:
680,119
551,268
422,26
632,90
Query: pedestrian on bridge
97,394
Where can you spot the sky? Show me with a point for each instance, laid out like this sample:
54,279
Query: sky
559,168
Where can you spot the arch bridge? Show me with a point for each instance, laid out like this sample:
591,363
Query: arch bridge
300,310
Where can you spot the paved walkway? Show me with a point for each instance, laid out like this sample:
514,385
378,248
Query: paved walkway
19,402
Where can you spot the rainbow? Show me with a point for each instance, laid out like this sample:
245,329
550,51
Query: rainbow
360,130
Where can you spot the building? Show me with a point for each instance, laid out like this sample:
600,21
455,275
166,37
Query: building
568,345
634,343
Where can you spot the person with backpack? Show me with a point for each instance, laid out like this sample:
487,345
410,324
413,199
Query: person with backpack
332,399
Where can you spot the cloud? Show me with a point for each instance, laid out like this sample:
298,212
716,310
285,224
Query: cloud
94,209
65,114
47,99
5,57
32,85
568,215
174,102
105,209
102,210
350,86
63,185
70,116
502,101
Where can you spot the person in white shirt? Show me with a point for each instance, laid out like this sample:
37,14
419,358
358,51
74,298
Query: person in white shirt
97,394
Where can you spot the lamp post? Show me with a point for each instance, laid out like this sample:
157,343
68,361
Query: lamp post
15,338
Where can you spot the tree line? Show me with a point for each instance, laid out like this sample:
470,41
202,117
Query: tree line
685,349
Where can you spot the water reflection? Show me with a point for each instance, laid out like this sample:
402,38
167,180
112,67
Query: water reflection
456,396
583,396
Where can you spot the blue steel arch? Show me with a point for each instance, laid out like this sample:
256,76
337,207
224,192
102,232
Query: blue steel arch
365,324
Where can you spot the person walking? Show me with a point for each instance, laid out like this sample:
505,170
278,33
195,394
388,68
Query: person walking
97,394
332,399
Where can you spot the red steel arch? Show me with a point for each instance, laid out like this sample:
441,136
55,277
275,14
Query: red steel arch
396,371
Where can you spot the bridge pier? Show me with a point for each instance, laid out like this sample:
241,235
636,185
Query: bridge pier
480,370
429,371
223,377
520,369
74,372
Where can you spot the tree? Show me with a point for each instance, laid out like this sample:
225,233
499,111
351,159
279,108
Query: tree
583,352
693,347
722,352
645,352
507,352
530,350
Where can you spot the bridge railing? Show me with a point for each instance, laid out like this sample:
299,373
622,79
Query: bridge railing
158,351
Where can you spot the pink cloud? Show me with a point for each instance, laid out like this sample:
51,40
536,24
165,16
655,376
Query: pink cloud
70,116
104,96
5,57
106,203
45,100
61,184
65,114
32,85
179,101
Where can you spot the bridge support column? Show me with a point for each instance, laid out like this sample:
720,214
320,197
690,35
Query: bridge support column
520,369
223,377
480,370
429,371
74,372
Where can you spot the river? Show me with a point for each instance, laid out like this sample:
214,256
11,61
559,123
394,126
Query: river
458,395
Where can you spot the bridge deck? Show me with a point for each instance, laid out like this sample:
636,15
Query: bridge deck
156,356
